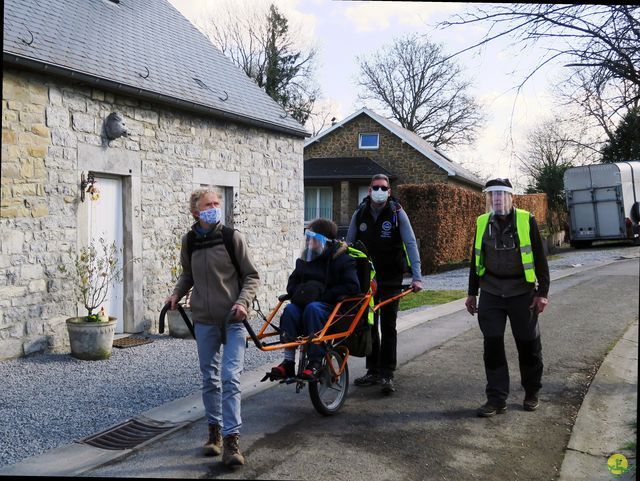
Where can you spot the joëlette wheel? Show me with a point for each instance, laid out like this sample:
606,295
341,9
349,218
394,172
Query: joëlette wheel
328,393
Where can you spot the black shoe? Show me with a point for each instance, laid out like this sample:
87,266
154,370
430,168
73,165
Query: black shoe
530,401
368,379
284,370
387,385
489,409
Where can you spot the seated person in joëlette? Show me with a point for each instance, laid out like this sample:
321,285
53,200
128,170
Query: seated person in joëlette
324,273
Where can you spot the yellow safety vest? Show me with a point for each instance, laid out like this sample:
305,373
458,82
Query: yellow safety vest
524,236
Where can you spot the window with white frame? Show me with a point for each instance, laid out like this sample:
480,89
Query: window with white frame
318,202
369,141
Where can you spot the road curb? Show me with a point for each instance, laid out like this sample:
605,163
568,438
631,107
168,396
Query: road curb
603,426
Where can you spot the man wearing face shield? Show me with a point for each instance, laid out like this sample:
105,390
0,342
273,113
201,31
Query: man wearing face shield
324,272
509,267
383,227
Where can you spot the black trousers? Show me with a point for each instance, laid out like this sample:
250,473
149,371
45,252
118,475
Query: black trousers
383,358
492,316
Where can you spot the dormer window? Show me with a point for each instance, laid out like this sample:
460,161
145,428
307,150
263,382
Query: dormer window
369,141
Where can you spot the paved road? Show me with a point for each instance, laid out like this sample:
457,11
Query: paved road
427,430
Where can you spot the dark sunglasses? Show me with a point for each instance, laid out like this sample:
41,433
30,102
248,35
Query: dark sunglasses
379,187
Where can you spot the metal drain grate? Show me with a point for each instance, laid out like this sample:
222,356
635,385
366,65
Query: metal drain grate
129,434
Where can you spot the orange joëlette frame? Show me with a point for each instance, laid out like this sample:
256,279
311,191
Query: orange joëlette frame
360,303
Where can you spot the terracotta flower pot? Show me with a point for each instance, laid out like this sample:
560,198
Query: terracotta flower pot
91,341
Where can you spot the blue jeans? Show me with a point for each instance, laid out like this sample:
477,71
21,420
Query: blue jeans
221,399
296,321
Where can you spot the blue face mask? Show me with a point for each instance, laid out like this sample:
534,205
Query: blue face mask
211,216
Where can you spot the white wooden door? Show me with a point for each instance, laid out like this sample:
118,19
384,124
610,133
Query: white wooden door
105,221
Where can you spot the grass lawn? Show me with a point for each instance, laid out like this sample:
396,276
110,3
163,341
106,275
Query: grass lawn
425,297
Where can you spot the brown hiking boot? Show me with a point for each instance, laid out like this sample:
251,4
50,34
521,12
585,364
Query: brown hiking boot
213,446
231,455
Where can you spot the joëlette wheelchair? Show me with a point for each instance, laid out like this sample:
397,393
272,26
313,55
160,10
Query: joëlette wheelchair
346,325
345,332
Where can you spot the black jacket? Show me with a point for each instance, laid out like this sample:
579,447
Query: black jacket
335,268
383,240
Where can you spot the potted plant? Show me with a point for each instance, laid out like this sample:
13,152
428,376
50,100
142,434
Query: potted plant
177,326
93,270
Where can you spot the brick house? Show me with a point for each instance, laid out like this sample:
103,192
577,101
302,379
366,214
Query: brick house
192,118
339,163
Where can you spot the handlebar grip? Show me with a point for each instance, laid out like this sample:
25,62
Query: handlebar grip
223,328
163,313
183,314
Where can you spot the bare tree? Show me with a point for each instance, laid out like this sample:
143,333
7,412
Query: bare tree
322,116
549,153
602,103
411,81
261,42
603,37
600,44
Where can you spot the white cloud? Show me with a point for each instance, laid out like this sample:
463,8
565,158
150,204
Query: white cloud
302,26
506,132
377,16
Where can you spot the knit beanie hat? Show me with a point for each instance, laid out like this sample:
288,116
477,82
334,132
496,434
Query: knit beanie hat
326,227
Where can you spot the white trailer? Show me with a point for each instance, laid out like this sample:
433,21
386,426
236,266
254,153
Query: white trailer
603,202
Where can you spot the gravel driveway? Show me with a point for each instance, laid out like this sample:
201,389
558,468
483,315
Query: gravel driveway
50,400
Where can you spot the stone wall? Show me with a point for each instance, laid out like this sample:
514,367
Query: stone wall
50,126
393,154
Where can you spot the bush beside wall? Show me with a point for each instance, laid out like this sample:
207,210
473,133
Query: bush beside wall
443,218
534,203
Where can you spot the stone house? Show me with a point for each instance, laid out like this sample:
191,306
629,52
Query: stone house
339,163
191,118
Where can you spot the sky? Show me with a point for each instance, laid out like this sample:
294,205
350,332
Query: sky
341,31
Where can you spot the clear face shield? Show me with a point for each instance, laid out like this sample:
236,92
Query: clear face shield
499,202
314,245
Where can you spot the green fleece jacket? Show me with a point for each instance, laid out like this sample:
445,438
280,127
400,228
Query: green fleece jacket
214,278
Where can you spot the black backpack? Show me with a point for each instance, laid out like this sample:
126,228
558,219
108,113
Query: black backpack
194,244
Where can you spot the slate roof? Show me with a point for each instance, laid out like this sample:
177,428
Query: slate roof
343,168
140,47
414,140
